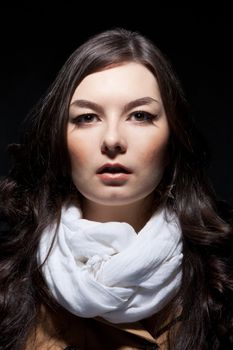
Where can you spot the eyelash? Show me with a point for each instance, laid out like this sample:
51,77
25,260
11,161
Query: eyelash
79,120
150,117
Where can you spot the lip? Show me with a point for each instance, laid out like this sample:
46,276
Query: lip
116,179
125,170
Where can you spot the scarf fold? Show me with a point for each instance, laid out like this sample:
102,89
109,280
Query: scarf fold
109,270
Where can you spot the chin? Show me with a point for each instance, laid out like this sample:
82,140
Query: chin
114,202
115,199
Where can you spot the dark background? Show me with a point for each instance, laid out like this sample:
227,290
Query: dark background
36,39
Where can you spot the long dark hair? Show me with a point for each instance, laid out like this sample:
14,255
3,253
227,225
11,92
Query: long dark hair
39,183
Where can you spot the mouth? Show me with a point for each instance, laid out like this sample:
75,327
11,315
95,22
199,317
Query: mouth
113,169
114,174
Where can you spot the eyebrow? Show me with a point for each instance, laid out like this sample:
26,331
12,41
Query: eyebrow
130,105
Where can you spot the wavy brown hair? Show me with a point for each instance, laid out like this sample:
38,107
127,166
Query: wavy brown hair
39,183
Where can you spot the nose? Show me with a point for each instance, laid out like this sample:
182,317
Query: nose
113,142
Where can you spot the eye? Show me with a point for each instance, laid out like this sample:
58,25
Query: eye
142,116
87,118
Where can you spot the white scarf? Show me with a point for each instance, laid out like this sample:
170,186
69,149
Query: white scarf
109,270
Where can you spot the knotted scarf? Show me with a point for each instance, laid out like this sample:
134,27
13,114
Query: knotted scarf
108,269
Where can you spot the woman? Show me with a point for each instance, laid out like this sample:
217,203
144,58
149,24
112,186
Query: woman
111,236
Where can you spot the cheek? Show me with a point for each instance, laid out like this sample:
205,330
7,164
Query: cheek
154,152
77,151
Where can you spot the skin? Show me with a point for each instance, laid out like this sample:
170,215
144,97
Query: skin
106,129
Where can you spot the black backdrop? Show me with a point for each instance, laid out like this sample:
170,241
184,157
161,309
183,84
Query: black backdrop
37,39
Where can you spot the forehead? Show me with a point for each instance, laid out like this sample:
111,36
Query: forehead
131,80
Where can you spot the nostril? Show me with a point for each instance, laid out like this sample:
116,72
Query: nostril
113,150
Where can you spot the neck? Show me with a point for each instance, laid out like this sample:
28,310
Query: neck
135,214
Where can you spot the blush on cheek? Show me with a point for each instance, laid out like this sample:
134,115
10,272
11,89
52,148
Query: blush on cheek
155,153
76,152
77,159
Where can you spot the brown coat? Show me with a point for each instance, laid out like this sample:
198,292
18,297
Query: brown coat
56,333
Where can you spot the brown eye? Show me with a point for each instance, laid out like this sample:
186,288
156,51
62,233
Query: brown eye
84,119
143,116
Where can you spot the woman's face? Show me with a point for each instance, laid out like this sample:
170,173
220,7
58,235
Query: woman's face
117,135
